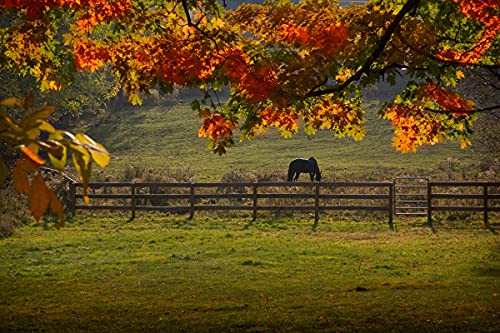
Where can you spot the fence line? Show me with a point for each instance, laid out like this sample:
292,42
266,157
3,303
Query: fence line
257,198
483,198
442,196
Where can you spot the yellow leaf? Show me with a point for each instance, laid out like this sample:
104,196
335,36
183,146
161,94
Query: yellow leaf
98,152
460,74
39,197
58,135
11,102
46,126
54,85
81,160
101,156
135,99
58,155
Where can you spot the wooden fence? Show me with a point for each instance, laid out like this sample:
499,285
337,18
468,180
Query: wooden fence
463,196
284,196
254,197
440,196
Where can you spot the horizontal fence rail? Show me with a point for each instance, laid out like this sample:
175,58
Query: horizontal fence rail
317,197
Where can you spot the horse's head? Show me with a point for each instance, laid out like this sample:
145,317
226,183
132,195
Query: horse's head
318,176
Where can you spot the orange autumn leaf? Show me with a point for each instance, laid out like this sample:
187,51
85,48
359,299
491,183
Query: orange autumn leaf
89,55
102,11
464,143
39,197
287,122
448,101
483,12
21,181
32,156
216,127
326,40
257,85
413,128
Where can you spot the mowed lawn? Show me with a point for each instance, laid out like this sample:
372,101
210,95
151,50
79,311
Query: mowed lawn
160,273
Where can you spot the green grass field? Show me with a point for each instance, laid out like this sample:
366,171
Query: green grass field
166,138
162,274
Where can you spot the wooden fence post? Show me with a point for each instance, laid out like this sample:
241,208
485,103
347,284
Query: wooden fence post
191,200
391,205
485,205
429,205
254,197
133,203
316,207
72,198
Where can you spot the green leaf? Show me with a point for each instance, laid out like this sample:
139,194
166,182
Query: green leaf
195,105
398,100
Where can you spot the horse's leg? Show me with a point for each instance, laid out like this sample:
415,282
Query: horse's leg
290,173
297,174
311,175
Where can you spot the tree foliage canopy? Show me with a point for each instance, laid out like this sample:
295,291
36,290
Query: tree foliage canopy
284,62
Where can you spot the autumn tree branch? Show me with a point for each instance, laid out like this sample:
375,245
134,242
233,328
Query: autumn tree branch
190,23
409,7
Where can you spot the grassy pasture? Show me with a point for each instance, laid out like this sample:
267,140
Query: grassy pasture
160,273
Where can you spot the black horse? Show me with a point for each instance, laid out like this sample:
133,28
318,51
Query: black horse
302,165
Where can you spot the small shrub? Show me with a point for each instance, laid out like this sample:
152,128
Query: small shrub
14,211
145,174
6,226
155,175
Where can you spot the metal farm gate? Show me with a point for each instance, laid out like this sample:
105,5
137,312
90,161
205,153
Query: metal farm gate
411,197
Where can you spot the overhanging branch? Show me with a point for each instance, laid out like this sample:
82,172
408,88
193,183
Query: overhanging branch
409,6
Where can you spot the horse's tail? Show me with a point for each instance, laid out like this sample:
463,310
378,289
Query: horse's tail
291,171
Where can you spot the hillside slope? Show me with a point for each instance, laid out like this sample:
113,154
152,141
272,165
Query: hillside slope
165,137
